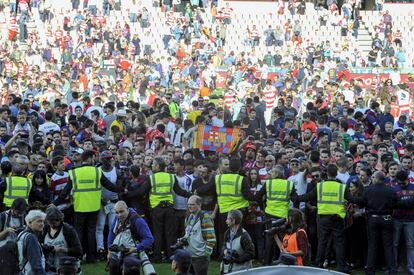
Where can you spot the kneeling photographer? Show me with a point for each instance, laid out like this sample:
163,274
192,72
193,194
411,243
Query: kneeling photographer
199,238
129,237
291,239
59,241
238,247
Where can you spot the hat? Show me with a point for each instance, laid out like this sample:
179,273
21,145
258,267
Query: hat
250,145
121,113
181,256
106,154
295,160
77,151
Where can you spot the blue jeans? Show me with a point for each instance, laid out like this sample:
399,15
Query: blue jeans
13,8
93,9
133,17
378,7
408,228
100,225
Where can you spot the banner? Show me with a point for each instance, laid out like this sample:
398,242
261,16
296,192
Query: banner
369,79
218,139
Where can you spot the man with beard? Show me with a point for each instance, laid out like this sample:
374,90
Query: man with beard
250,159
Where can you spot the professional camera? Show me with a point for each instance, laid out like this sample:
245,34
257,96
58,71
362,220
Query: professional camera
118,248
147,267
181,242
48,248
277,226
229,258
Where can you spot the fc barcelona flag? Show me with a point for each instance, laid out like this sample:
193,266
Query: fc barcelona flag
218,139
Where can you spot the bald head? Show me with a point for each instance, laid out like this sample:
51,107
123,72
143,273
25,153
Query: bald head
379,177
121,210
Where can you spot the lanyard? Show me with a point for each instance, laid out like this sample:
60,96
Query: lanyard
195,218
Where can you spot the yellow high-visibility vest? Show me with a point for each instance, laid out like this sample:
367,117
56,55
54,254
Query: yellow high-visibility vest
86,187
331,198
278,197
229,196
161,188
16,187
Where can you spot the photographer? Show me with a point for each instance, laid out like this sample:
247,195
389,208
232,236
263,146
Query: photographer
199,236
59,240
128,231
238,248
295,240
12,220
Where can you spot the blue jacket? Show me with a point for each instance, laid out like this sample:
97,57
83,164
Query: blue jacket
33,252
141,229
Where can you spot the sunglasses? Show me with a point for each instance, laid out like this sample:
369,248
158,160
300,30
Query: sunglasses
316,176
268,160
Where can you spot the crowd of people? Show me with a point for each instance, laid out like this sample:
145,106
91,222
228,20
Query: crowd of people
97,131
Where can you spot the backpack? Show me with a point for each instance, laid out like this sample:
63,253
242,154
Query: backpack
11,255
307,258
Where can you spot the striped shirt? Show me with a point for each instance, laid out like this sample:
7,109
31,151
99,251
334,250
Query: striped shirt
200,245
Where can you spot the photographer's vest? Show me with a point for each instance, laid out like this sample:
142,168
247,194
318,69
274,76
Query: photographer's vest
229,196
123,238
196,243
331,198
16,187
235,245
161,188
278,197
86,187
59,240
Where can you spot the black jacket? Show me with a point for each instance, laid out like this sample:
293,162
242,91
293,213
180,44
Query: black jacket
71,237
245,242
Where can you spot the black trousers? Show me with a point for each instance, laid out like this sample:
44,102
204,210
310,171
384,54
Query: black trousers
164,226
180,216
199,265
222,227
86,222
327,225
378,227
272,251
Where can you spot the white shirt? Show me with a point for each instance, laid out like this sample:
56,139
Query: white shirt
48,126
343,177
300,184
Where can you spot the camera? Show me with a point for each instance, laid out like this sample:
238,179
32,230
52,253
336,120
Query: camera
277,225
48,248
181,242
229,257
147,267
118,248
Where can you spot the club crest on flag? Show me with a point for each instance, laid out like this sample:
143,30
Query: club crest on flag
218,139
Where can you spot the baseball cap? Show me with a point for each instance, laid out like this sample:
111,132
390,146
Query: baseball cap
181,256
250,146
106,154
77,151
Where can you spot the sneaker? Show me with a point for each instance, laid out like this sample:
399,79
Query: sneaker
325,264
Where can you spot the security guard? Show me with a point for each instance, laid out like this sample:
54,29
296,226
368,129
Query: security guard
160,186
380,200
17,185
232,191
86,182
278,192
330,196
